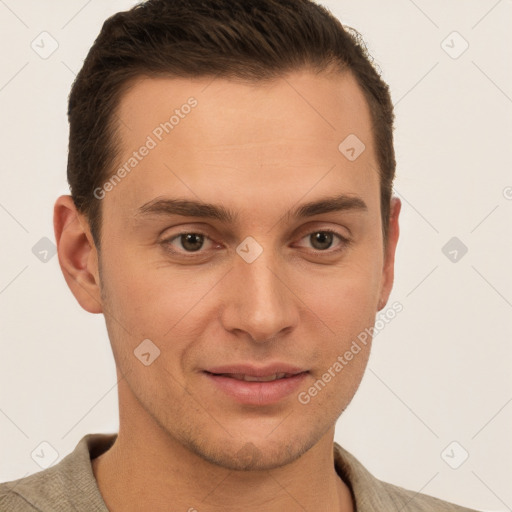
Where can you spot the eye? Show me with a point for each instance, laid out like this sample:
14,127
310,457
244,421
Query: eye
189,242
322,240
192,243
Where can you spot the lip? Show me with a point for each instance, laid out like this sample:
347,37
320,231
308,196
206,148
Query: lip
255,371
257,393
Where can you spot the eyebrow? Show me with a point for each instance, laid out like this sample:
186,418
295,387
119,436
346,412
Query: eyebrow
190,208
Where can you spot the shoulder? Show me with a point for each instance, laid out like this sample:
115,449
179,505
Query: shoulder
9,502
411,501
22,494
68,485
373,495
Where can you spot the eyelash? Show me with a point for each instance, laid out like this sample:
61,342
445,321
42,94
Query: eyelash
344,242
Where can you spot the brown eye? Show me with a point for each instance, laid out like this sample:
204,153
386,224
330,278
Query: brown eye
187,243
321,240
191,241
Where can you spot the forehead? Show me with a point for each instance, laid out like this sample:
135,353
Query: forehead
208,137
300,103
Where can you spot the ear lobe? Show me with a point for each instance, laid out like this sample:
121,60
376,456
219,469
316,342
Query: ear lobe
388,271
78,257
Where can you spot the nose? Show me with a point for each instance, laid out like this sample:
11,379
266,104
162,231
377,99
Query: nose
260,303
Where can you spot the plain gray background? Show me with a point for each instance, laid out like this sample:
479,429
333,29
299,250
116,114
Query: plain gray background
439,373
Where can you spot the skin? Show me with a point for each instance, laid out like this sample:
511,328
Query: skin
260,150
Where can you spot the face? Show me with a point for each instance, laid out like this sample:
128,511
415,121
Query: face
264,286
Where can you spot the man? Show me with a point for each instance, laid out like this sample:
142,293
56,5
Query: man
231,166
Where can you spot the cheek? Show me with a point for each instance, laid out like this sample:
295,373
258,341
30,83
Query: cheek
140,288
344,307
150,299
343,354
346,298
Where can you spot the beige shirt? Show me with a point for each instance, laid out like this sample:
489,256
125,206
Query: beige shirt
70,486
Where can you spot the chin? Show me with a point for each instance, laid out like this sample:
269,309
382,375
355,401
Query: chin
253,455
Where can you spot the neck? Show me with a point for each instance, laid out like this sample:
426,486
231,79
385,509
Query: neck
156,470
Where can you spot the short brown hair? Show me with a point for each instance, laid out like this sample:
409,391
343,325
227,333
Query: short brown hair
250,39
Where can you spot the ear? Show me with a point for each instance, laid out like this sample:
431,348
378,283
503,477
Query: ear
388,271
78,257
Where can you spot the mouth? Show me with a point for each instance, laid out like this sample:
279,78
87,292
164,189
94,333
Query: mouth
252,386
254,378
